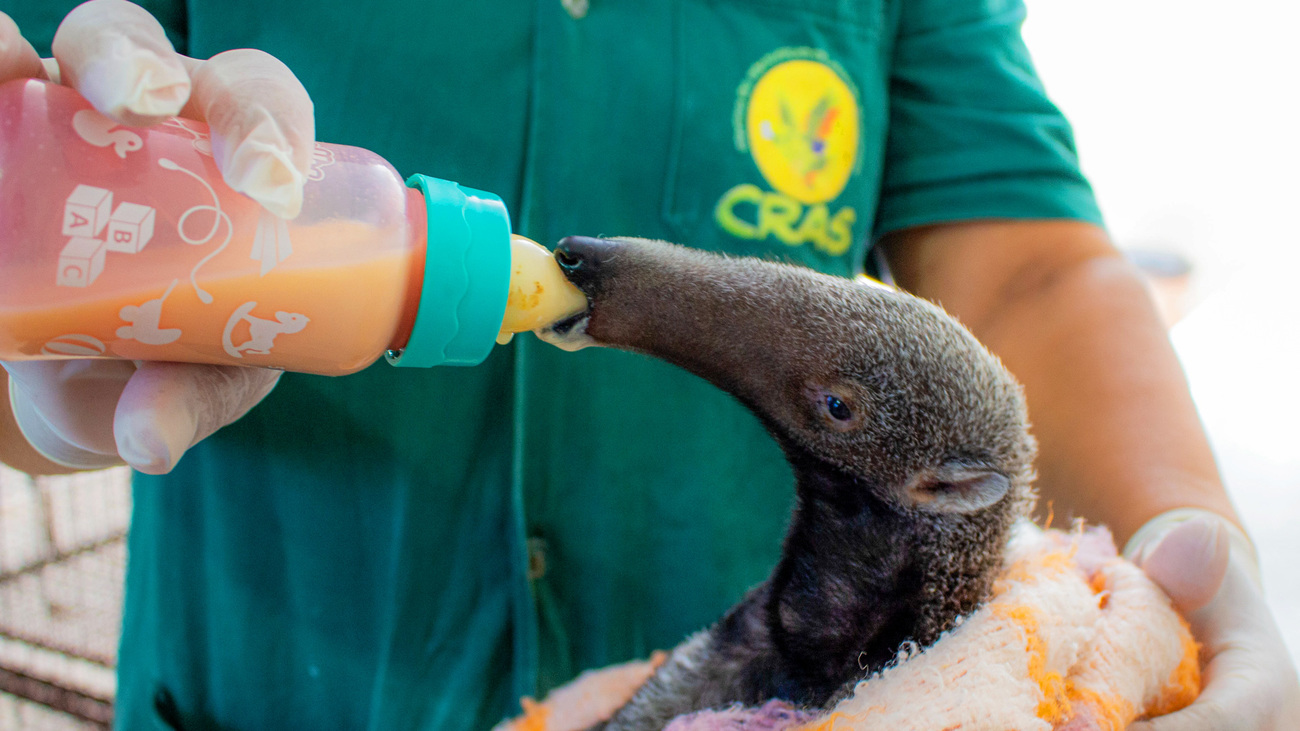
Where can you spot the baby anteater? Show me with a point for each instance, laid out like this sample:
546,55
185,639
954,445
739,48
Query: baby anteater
908,440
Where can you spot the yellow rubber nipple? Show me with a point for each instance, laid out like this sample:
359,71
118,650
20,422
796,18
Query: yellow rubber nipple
539,292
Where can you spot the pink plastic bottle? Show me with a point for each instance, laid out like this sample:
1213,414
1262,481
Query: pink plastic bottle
123,242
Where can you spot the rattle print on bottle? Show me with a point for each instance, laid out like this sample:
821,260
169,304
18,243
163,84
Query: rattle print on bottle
218,217
202,142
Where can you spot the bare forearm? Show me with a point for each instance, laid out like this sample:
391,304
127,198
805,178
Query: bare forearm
1120,440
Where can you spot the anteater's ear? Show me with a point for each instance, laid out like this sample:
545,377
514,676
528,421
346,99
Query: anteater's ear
956,488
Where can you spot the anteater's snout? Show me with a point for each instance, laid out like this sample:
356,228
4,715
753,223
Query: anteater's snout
583,259
584,262
632,285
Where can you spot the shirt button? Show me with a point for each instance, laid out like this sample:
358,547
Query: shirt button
165,710
577,8
536,558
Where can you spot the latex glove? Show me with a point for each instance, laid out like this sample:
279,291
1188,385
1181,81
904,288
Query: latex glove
1208,568
89,414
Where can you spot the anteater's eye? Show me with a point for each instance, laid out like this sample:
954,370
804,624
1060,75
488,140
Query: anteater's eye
837,408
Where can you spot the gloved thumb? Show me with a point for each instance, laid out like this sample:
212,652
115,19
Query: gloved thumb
1188,561
166,408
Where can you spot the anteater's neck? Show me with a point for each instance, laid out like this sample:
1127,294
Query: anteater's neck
856,581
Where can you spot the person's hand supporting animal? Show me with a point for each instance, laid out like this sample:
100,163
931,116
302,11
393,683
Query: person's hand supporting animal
1208,567
1120,442
86,414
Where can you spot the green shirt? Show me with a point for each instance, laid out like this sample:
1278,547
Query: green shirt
417,549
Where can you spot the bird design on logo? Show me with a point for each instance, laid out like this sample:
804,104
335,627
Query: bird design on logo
803,146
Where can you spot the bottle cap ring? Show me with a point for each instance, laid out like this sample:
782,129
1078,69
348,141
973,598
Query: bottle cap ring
466,276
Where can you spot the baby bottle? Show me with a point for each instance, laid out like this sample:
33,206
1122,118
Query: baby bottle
125,243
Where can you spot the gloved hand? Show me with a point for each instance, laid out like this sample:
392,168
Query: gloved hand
89,414
1208,568
96,413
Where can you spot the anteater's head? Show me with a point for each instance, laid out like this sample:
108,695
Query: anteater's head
908,438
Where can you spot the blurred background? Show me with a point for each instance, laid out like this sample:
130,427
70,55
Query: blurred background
1186,119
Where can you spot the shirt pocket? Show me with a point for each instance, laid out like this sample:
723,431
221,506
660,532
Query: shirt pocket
779,120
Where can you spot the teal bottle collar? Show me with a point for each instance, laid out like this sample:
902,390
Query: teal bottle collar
466,276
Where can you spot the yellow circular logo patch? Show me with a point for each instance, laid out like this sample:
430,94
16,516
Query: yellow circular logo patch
802,128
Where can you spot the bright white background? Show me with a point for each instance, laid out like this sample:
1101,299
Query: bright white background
1186,115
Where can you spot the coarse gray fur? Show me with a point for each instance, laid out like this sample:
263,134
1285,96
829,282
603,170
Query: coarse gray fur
902,509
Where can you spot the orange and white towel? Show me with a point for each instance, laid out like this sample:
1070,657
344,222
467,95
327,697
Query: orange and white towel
1075,638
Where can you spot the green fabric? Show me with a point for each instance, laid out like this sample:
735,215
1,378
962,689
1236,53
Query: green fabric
355,552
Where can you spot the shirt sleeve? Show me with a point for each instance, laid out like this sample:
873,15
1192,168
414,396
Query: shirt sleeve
972,134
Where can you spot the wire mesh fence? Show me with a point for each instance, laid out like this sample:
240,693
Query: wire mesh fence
62,557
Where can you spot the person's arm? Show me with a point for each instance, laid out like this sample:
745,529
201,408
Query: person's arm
1120,440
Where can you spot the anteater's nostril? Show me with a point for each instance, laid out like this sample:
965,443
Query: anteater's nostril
566,258
581,254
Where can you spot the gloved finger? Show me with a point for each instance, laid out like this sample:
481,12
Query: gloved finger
116,54
1249,681
65,408
1189,562
263,126
18,60
166,408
